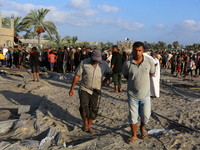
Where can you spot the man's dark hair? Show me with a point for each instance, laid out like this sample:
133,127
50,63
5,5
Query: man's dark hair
83,47
138,44
65,47
16,46
115,46
34,48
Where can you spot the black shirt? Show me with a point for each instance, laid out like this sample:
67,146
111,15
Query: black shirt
60,56
35,59
117,62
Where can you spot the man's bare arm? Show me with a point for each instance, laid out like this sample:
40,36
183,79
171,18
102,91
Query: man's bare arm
106,79
112,66
75,80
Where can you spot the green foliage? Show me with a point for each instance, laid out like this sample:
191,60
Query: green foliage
36,19
175,44
6,23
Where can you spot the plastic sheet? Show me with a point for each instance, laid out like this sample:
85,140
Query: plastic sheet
160,131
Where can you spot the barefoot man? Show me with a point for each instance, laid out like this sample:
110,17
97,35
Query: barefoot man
138,70
92,71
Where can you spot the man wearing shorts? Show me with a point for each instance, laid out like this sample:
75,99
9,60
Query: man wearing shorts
35,63
92,71
138,70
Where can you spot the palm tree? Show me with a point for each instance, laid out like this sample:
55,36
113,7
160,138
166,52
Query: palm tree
6,22
35,21
162,45
175,44
73,40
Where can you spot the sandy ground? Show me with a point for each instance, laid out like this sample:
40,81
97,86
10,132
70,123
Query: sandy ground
52,108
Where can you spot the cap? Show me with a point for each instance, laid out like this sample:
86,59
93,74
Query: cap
96,55
71,47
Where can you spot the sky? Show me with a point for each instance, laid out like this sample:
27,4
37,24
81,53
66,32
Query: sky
115,20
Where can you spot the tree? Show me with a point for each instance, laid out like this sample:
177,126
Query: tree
175,44
109,44
169,46
6,22
35,21
196,46
73,40
162,45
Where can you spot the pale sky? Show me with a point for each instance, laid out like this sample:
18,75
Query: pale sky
113,20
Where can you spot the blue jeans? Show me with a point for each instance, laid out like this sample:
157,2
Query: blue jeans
141,106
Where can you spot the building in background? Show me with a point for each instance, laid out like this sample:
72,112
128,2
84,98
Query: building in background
126,44
6,34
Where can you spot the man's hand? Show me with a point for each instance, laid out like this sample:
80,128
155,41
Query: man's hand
104,82
71,92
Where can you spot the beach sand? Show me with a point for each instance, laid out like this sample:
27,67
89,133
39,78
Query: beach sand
52,108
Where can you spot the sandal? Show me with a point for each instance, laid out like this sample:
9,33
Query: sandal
130,140
144,134
90,130
85,128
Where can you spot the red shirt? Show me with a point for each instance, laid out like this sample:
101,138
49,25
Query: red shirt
52,58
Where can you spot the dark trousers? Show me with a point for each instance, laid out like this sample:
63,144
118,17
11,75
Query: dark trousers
172,69
191,72
117,79
9,63
59,66
197,67
88,104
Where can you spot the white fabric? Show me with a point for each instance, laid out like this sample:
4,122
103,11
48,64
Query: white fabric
155,80
146,54
109,58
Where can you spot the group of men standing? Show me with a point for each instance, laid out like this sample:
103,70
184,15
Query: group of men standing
137,70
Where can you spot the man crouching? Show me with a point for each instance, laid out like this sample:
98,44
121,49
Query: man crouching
92,71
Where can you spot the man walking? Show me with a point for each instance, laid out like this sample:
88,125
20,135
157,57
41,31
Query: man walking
138,70
116,66
92,71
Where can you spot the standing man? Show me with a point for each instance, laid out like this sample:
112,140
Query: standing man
65,58
116,66
124,55
92,71
71,58
9,58
59,59
138,70
155,79
35,63
16,56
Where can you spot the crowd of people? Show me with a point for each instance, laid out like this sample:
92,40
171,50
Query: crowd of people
181,63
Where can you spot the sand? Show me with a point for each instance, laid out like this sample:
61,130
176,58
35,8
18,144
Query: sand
54,112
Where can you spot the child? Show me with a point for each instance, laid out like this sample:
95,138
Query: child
52,60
